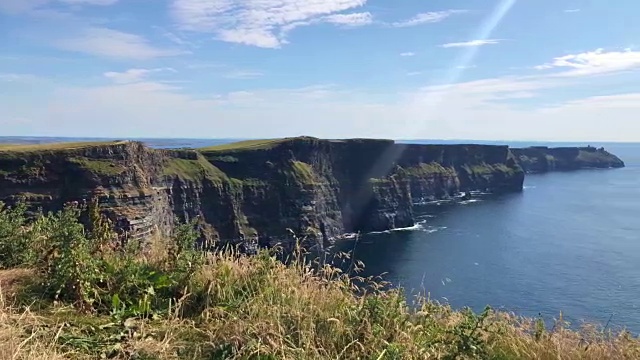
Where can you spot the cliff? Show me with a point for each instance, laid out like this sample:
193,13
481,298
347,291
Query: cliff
256,190
543,159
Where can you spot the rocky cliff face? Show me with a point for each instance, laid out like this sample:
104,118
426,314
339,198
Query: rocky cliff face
256,191
326,188
543,159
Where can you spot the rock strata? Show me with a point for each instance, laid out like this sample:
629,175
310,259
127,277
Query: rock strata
262,192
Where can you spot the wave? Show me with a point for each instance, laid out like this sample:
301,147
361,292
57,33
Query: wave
471,201
433,229
417,227
434,202
479,192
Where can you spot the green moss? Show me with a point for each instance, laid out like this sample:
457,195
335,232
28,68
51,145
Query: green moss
303,172
194,170
226,159
100,167
482,169
379,181
252,182
424,170
487,169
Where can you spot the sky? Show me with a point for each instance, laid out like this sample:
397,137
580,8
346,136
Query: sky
548,70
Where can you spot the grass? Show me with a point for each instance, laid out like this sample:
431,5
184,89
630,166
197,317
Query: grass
101,167
54,146
304,172
245,145
197,170
427,170
69,292
261,144
487,169
259,308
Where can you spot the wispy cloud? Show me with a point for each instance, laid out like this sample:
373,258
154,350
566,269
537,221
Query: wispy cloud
471,43
90,2
134,75
263,23
426,18
20,6
407,54
114,44
243,74
355,19
414,73
572,10
594,62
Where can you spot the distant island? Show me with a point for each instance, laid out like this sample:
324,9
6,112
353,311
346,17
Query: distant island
254,191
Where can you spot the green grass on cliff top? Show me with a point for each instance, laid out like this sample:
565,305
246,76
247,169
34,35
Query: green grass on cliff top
246,145
55,146
195,170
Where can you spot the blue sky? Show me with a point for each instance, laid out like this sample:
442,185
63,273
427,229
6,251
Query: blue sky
565,70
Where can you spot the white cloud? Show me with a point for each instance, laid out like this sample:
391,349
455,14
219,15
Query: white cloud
355,19
133,75
414,73
114,44
406,54
262,23
572,10
426,18
479,109
471,43
594,62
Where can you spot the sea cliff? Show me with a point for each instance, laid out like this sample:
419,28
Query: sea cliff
540,159
256,191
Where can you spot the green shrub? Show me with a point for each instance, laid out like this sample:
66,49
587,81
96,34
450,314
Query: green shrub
15,237
85,267
120,302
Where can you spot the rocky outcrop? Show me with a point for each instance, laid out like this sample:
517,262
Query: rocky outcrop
259,191
541,159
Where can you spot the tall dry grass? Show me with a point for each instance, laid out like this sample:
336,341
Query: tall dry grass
240,307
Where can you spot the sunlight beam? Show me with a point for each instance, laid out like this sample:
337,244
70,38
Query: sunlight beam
388,159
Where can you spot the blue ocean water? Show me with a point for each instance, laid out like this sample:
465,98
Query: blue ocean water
570,243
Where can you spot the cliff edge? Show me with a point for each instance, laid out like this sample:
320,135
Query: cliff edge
255,191
542,159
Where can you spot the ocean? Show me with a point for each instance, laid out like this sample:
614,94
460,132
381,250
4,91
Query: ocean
569,243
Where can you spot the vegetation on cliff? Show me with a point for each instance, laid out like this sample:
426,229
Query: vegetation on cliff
70,291
195,169
245,145
543,159
55,146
